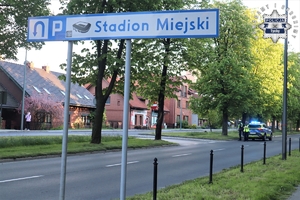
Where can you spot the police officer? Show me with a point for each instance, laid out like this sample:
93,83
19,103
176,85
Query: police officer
241,129
246,132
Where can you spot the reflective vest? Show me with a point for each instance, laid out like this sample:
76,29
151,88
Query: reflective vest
246,129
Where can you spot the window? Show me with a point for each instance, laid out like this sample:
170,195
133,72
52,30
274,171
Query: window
187,104
48,118
86,97
185,91
46,91
178,103
43,117
86,119
178,118
79,96
108,100
119,103
63,92
186,118
39,91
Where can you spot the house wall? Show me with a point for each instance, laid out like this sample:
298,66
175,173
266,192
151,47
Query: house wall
138,118
169,117
10,86
113,109
76,117
172,104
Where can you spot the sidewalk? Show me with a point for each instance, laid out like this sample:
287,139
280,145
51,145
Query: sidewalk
295,195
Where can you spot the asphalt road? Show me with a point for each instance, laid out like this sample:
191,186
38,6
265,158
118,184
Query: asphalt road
97,176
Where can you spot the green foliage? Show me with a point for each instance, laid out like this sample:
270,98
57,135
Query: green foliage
294,90
184,124
193,126
58,128
223,64
275,180
92,116
267,73
13,22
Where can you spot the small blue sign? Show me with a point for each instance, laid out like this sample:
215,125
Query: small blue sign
130,25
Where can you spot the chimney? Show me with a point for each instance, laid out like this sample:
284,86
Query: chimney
30,64
46,68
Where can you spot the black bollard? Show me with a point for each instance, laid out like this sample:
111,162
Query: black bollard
211,166
242,158
155,179
290,146
299,144
265,152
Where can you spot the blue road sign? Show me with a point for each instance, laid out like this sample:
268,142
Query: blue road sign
130,25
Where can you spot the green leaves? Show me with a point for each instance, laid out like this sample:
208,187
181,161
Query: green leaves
13,22
224,83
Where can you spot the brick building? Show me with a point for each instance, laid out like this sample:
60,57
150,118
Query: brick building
41,81
143,116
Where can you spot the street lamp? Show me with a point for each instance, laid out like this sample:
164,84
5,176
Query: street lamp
24,85
180,120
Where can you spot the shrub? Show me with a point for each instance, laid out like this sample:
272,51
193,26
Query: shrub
78,123
193,126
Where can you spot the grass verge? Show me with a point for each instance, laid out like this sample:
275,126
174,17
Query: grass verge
32,146
214,135
275,180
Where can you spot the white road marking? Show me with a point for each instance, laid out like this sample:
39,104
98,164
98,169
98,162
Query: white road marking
219,149
118,164
18,179
179,155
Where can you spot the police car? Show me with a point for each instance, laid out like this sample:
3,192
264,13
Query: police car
259,130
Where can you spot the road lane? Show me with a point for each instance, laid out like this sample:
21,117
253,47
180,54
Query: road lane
88,176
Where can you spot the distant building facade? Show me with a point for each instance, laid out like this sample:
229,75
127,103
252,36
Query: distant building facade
41,81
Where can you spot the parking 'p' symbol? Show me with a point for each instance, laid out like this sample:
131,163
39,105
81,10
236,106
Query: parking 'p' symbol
56,27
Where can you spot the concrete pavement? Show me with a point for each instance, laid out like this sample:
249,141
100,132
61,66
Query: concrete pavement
295,195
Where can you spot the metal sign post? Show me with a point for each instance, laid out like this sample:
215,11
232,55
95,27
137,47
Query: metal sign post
66,124
284,114
125,121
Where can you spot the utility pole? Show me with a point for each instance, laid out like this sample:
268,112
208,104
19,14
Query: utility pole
180,110
23,95
284,115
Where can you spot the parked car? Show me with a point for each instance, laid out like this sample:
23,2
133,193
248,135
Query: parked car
259,130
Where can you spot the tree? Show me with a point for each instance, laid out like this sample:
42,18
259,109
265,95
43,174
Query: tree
294,90
42,106
268,73
13,22
159,64
104,61
223,64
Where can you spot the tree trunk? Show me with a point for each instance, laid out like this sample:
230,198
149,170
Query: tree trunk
97,125
100,97
225,122
161,102
244,117
161,96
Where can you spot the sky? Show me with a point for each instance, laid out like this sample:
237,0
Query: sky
55,53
